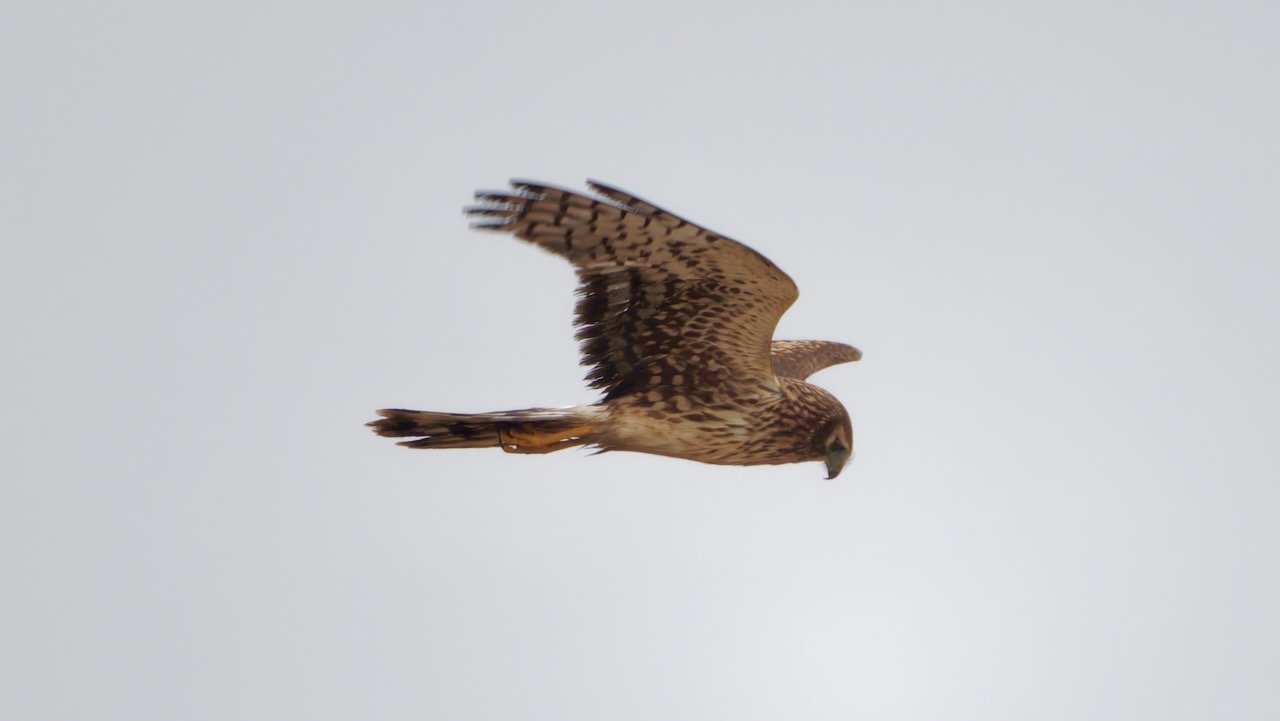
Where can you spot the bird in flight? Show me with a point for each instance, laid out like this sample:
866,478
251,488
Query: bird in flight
676,324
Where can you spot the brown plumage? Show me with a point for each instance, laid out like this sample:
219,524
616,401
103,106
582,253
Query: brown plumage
676,324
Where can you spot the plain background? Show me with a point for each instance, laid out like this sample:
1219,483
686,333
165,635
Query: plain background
232,230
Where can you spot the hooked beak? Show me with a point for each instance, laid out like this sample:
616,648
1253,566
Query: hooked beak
836,458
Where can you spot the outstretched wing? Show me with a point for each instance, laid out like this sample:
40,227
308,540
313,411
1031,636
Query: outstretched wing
663,302
800,359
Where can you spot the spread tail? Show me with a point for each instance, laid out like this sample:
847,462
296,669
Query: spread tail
535,430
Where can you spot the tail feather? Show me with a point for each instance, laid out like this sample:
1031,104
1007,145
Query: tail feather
535,430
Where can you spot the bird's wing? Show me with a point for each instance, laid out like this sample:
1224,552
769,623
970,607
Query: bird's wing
800,359
663,302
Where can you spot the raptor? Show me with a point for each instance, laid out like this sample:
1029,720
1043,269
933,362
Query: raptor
676,324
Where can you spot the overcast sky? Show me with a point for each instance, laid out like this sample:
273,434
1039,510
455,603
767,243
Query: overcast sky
231,231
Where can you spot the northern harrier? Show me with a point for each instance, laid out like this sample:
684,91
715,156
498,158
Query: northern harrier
676,323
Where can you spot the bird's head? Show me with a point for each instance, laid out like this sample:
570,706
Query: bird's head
834,442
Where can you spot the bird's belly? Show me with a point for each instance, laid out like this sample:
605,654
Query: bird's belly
720,437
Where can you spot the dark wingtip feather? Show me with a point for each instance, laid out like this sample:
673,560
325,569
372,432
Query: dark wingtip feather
497,225
634,203
612,193
490,211
602,187
537,188
499,196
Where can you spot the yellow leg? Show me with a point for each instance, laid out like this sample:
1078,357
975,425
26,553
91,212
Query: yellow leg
527,439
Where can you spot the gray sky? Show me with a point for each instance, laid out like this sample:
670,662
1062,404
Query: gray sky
231,231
